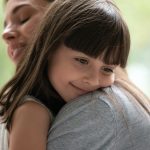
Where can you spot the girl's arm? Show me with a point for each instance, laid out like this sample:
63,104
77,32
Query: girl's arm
29,127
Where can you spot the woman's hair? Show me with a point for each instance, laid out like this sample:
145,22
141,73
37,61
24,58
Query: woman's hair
5,1
94,27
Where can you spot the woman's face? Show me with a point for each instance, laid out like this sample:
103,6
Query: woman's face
21,19
73,73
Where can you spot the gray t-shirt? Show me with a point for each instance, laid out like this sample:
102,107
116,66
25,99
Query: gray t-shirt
97,122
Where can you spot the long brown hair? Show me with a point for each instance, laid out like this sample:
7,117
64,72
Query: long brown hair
5,1
94,27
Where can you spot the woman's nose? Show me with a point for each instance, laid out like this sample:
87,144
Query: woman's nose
9,34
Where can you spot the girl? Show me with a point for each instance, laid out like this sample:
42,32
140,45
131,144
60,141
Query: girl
112,118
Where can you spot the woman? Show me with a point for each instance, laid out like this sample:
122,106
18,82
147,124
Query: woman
21,19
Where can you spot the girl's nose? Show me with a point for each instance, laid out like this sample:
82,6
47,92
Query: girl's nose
9,34
92,79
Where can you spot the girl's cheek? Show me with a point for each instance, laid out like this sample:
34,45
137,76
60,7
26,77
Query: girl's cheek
108,81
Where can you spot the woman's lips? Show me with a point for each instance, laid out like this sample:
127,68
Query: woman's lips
15,53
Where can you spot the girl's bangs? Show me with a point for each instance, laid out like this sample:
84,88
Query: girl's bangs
109,41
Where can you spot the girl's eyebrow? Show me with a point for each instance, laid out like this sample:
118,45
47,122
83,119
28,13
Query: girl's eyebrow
16,9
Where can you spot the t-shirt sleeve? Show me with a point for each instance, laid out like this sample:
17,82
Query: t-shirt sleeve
85,123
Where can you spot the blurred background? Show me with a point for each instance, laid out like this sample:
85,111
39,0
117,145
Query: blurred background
137,15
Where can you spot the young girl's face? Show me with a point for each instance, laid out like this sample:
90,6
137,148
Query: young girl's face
73,73
21,19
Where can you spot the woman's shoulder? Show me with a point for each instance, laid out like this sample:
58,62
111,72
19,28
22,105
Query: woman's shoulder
126,108
29,100
84,121
109,115
29,118
88,105
132,121
29,110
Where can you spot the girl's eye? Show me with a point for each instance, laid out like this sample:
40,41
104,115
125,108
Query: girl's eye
107,70
82,61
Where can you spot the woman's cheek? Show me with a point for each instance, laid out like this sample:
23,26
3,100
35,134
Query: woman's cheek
32,25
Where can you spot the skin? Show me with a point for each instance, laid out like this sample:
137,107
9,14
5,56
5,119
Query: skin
29,128
21,19
78,73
